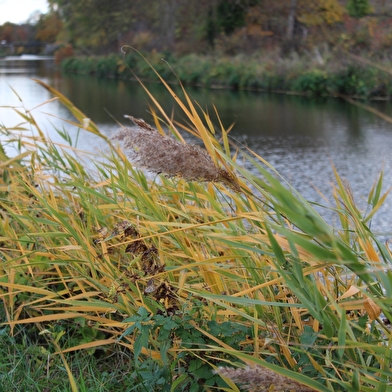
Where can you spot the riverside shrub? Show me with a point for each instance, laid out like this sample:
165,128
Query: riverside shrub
239,73
314,82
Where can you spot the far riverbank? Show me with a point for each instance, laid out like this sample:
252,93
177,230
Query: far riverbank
321,75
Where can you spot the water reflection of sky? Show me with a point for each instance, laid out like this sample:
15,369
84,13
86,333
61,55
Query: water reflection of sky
300,137
20,93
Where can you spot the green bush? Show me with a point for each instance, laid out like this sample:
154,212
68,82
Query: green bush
314,82
358,81
358,8
168,330
68,65
108,67
85,65
192,69
223,73
272,82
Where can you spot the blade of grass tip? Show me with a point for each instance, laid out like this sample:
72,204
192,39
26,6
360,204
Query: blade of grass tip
16,160
224,131
215,142
375,192
209,122
157,121
198,123
377,206
159,107
156,103
113,118
172,128
192,114
378,187
85,125
206,116
30,120
79,115
4,157
344,191
185,128
44,103
14,91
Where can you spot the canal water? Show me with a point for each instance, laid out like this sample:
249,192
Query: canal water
302,137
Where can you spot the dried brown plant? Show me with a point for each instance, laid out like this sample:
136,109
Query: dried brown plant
158,153
257,379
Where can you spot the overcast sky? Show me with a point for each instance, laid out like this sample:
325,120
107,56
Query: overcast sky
18,11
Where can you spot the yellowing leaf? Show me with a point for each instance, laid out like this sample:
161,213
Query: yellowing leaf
369,250
372,309
349,293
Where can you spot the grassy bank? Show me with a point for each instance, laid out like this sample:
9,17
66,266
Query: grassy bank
182,282
331,74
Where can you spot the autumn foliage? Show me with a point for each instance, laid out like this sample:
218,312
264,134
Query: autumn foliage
222,27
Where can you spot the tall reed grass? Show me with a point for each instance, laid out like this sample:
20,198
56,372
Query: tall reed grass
197,275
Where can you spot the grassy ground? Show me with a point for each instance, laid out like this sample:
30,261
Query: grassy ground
28,364
110,277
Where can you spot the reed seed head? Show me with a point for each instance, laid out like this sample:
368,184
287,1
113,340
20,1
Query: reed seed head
157,153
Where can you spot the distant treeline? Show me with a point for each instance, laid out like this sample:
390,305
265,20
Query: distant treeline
222,27
225,26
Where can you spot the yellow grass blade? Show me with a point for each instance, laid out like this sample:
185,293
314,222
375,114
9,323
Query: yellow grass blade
80,116
89,345
48,317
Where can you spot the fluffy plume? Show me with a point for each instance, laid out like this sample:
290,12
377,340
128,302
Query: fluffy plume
257,379
148,149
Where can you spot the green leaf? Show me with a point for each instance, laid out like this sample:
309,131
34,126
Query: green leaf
327,325
141,341
194,364
342,334
308,337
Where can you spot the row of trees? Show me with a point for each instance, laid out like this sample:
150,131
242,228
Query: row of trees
40,29
183,26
